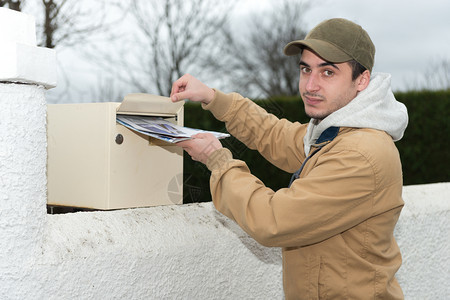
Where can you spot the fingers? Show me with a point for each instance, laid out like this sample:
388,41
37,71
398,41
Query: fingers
180,96
189,87
191,142
184,144
179,84
178,87
201,146
203,135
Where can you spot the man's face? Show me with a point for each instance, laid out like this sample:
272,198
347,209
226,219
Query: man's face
325,87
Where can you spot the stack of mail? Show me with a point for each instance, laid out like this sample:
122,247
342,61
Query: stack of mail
162,129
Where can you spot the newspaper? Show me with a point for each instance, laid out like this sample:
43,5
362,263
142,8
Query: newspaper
162,129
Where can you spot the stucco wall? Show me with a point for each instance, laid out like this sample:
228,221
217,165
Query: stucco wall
193,252
423,234
179,252
22,185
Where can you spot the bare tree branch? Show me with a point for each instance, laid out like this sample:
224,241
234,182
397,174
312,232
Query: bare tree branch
169,38
13,4
437,77
257,63
66,23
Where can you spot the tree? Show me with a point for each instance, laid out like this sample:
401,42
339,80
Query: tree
12,4
257,64
71,22
168,38
61,23
434,77
64,22
437,77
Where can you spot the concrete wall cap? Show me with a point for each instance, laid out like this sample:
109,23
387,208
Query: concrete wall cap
17,27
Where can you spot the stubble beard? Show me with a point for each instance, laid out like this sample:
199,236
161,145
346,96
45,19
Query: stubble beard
334,105
317,116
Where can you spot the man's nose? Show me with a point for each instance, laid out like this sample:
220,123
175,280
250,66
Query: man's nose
312,83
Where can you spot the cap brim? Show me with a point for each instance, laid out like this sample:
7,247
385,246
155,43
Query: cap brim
327,51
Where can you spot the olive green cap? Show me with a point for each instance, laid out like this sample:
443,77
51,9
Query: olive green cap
336,41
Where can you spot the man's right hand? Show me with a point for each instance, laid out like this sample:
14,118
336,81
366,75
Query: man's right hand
189,87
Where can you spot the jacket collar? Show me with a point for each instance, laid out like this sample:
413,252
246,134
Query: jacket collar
327,136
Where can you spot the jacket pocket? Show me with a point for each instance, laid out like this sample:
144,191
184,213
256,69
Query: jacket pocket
318,278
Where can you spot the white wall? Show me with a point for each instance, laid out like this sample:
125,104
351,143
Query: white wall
423,234
22,184
179,252
193,252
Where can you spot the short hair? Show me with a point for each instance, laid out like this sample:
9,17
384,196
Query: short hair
357,69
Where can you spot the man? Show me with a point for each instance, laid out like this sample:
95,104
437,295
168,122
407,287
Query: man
336,219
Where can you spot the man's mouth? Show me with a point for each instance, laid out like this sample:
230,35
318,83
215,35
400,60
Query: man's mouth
312,99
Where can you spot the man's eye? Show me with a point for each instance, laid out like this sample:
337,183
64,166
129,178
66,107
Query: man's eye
328,73
305,70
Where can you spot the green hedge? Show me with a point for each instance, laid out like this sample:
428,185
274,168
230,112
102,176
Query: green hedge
424,148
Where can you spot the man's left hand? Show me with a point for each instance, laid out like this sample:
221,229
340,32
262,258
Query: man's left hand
201,146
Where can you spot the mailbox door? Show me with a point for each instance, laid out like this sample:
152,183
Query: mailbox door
144,172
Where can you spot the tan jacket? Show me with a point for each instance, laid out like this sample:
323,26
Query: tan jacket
335,223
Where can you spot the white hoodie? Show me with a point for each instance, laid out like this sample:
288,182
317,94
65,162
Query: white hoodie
375,107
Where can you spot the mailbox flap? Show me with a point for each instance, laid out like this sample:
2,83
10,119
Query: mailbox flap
147,104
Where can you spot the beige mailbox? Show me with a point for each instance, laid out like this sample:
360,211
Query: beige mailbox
94,162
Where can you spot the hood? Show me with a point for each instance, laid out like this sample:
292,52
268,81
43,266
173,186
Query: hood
375,108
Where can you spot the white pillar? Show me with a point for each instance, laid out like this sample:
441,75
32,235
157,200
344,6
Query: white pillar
25,72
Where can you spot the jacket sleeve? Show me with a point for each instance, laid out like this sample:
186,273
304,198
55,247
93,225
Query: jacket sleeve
279,141
324,203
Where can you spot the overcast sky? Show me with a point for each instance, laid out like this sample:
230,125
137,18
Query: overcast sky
409,35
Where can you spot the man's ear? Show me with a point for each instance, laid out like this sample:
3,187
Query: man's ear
363,80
